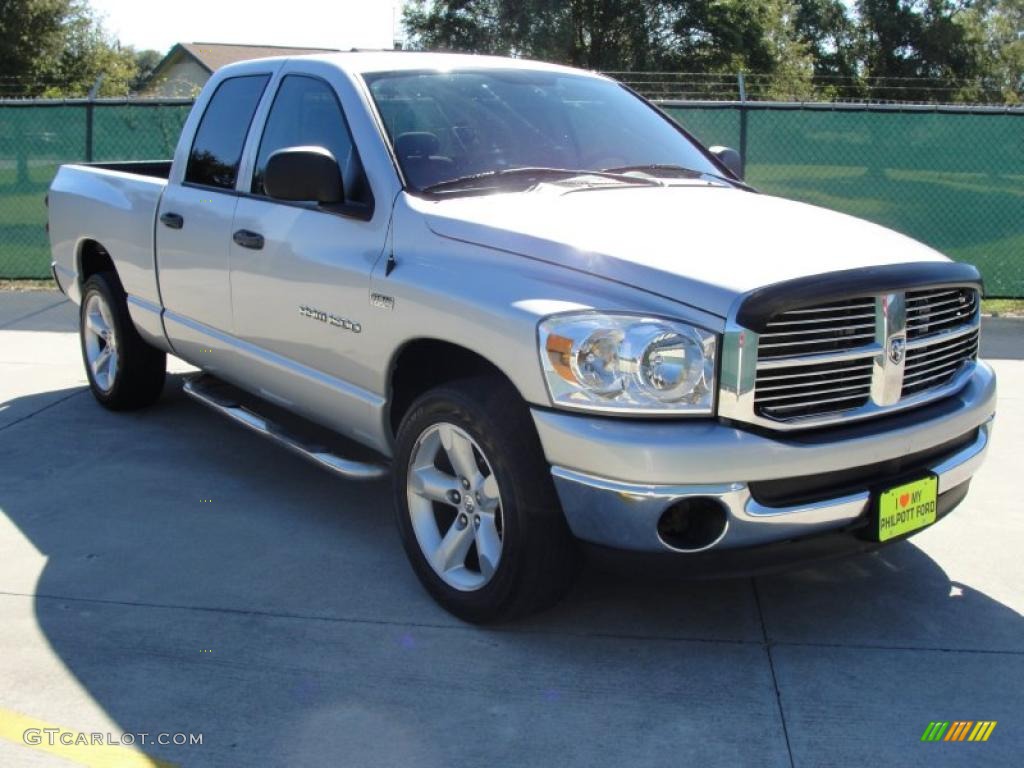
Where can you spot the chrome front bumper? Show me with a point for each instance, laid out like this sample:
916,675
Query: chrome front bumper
590,456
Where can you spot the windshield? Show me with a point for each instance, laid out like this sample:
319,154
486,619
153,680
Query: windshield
449,125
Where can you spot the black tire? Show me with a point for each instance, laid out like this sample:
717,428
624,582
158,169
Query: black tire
539,556
140,370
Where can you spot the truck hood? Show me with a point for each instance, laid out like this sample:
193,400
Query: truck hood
697,243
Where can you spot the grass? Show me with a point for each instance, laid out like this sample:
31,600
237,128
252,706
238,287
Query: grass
1003,307
24,286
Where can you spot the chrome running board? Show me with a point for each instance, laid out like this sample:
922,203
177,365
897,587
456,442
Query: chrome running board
220,396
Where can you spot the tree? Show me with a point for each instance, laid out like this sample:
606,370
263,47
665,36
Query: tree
87,53
830,34
58,48
598,34
886,49
1005,48
458,25
907,41
145,64
30,35
622,35
999,25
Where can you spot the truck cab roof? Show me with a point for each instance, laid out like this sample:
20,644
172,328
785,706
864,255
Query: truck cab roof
366,62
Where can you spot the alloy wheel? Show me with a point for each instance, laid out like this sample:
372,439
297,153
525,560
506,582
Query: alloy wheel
455,507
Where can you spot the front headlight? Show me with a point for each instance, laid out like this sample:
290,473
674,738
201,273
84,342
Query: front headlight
628,364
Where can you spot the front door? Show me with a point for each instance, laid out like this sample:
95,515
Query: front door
300,273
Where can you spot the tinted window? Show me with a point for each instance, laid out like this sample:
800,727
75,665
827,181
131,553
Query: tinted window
217,148
306,113
445,125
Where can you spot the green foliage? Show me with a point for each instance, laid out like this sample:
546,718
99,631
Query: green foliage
31,34
831,35
58,48
707,35
598,34
907,39
940,50
999,25
145,63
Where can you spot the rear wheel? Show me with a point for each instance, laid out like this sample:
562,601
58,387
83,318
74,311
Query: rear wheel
477,510
124,371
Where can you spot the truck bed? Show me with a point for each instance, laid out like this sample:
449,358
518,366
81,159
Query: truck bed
158,169
111,203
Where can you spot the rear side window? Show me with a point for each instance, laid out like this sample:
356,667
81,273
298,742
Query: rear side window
306,113
217,148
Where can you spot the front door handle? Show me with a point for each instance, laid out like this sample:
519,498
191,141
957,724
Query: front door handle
248,239
173,220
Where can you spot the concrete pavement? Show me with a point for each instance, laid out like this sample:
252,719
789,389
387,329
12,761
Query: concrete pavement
281,621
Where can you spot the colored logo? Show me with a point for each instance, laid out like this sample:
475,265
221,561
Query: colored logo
959,730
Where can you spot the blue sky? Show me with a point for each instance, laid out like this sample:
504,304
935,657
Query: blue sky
315,23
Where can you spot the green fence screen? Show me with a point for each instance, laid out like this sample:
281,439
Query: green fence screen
36,138
949,177
953,179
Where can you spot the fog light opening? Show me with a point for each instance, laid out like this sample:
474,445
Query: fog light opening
691,525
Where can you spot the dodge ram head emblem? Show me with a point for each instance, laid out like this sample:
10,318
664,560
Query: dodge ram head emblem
897,349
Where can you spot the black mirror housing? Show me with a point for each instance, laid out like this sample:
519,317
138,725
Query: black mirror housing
304,174
730,158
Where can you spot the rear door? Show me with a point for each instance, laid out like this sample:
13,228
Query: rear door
300,287
193,228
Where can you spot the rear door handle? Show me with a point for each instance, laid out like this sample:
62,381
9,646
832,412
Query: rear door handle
173,220
248,239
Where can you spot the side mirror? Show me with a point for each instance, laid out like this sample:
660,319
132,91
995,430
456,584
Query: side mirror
730,158
304,174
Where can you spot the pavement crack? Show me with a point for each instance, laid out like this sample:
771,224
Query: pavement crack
376,622
509,629
911,648
771,666
17,320
44,408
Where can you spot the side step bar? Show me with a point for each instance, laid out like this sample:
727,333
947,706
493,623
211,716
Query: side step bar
217,395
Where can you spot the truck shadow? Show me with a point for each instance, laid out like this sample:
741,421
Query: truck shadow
200,579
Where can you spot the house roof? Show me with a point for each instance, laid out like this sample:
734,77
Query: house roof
213,56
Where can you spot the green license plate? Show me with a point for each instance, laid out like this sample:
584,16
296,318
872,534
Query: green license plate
907,507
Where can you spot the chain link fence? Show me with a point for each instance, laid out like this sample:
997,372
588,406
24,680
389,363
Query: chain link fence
37,136
950,176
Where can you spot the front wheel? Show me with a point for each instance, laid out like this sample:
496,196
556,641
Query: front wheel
477,509
124,371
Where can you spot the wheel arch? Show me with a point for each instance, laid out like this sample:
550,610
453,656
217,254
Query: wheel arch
91,258
423,363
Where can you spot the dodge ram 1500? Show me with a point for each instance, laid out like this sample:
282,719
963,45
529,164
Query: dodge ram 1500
552,315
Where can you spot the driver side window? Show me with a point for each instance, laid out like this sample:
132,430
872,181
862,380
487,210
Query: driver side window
306,112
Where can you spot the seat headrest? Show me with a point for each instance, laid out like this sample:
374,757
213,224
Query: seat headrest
416,144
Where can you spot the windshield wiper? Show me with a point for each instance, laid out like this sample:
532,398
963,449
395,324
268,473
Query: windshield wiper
472,180
678,171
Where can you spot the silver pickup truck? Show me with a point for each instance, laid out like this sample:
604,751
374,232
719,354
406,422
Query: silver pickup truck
553,316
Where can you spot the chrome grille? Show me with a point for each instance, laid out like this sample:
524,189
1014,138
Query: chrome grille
935,363
862,356
930,312
787,393
823,328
